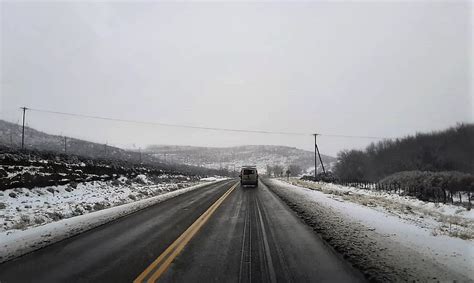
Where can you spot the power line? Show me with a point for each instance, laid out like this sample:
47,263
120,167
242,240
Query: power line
166,124
356,137
199,127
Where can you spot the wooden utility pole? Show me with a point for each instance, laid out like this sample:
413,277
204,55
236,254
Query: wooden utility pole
315,157
65,144
320,160
23,129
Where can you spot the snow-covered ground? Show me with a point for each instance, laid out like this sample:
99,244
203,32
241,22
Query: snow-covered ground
23,208
400,238
18,242
212,179
436,218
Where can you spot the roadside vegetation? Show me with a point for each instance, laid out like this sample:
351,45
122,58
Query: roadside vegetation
449,150
446,187
435,167
439,187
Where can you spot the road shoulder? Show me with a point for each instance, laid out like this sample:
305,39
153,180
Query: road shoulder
377,256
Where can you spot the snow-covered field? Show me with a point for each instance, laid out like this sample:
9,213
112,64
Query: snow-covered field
23,208
393,235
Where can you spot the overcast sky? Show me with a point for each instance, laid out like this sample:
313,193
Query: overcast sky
349,68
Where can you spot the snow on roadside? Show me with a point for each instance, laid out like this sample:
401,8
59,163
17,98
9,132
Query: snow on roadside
454,253
17,243
212,179
23,208
438,218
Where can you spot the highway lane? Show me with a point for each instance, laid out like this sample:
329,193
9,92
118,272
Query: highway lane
226,235
255,237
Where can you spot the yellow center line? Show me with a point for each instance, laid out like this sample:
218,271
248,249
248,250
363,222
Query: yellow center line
155,270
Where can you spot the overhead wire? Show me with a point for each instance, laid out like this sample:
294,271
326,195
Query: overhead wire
199,127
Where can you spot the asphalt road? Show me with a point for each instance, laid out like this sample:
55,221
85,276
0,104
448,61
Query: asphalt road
212,234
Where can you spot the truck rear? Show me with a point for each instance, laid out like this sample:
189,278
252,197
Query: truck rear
249,176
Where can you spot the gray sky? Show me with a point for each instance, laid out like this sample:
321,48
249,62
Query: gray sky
352,68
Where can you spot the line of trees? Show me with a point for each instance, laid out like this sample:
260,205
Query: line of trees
449,150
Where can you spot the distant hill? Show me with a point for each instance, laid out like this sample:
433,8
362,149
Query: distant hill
207,157
10,135
228,157
42,145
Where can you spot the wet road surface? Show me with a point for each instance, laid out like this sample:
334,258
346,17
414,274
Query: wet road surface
220,233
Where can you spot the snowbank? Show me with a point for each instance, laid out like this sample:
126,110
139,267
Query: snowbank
378,241
23,208
17,243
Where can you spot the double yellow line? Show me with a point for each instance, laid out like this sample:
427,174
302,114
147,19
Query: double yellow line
162,263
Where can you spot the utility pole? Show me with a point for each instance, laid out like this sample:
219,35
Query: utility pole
23,129
140,151
65,144
320,160
315,157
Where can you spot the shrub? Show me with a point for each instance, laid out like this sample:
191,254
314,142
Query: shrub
427,185
38,220
55,216
25,218
327,177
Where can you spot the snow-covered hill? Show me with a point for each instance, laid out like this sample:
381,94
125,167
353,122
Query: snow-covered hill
235,157
207,157
10,135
